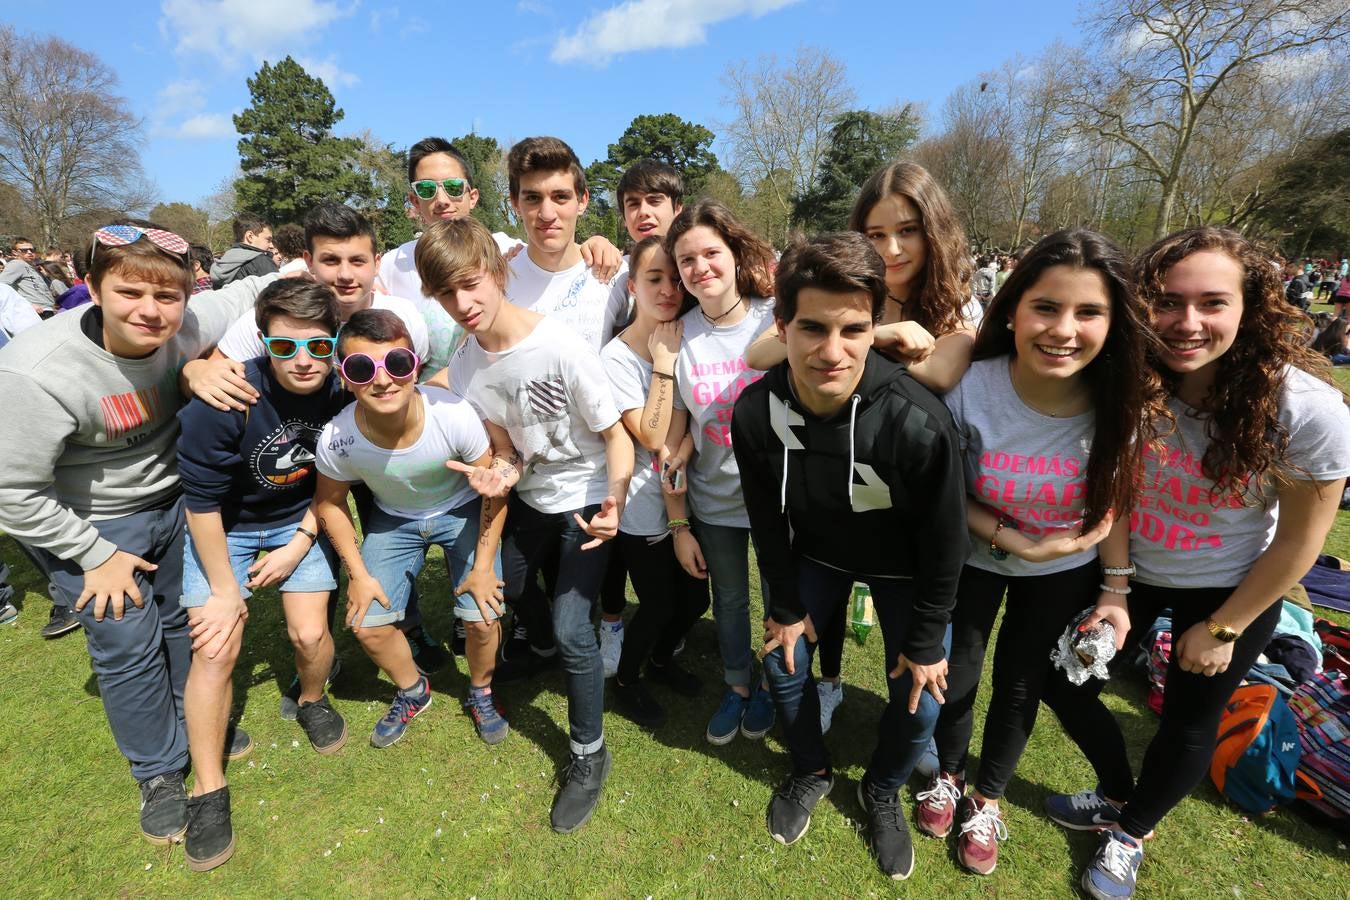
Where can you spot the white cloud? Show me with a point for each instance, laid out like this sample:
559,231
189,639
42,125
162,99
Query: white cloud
328,70
652,24
204,126
234,30
178,97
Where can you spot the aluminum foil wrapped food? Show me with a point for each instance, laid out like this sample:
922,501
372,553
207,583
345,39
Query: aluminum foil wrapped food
1084,652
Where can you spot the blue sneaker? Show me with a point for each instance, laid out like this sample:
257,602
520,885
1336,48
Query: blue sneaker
726,721
1113,871
491,725
759,715
1083,811
407,706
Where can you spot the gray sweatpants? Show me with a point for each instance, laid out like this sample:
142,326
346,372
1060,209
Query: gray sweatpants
141,662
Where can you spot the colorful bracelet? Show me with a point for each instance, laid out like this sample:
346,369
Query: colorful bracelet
995,551
677,523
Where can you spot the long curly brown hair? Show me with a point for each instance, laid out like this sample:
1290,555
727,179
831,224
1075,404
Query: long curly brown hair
943,287
1130,406
1246,439
755,261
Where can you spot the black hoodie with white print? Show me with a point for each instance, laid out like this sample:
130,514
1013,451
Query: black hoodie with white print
875,490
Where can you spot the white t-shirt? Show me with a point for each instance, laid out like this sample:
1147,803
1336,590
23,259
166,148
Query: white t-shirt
1183,535
16,313
241,342
550,394
412,483
295,265
630,379
710,374
1022,463
574,297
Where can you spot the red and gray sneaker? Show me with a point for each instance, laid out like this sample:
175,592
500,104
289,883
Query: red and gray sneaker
489,720
937,804
981,829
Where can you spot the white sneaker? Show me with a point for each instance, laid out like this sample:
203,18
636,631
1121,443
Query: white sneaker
611,645
831,695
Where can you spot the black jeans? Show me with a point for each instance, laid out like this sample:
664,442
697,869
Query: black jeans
1179,754
902,736
1039,608
530,540
670,601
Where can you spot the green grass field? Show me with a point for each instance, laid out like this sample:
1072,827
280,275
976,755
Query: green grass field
442,814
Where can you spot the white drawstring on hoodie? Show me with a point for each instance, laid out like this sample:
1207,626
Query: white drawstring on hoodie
852,423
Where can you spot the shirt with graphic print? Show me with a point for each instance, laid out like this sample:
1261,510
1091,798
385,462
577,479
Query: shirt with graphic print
875,490
255,466
92,435
549,392
574,297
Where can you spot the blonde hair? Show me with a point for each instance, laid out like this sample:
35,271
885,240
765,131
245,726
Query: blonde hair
453,252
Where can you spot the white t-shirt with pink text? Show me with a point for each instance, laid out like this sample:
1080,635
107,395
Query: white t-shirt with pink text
710,374
1183,534
1020,462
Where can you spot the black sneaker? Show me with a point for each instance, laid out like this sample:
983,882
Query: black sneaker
210,839
237,742
887,834
290,701
634,701
458,638
676,677
519,667
428,655
63,621
583,782
323,725
164,816
790,808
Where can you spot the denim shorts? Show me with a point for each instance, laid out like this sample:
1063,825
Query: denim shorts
315,573
395,549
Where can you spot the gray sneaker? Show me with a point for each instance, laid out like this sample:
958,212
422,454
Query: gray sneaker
1083,811
164,817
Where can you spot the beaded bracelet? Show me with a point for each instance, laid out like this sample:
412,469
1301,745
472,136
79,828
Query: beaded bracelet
1114,590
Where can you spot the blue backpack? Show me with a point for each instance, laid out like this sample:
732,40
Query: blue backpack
1256,760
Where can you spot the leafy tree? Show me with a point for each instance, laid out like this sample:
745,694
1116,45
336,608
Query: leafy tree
669,139
386,206
184,219
601,216
860,143
288,154
1308,203
485,158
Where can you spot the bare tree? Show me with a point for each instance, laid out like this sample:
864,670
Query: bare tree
1157,66
782,122
968,158
66,137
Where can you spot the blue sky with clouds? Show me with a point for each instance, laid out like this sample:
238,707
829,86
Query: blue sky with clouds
580,70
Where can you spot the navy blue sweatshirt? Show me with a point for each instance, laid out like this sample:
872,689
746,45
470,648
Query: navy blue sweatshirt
256,467
877,490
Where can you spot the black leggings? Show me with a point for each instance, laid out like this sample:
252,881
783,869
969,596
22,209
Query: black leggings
670,601
1179,754
1038,610
612,599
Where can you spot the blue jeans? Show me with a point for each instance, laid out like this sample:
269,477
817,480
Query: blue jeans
141,662
902,736
314,574
395,549
726,551
531,539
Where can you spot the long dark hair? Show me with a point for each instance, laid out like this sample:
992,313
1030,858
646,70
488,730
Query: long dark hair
1129,405
943,287
1246,437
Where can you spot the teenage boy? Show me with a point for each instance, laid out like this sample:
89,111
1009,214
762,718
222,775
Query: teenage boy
91,481
650,195
440,188
851,472
340,250
248,481
396,439
541,389
251,253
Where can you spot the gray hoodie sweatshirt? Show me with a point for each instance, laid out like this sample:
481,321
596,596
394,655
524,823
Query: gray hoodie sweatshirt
241,261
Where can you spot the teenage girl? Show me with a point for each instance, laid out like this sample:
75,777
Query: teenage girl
726,268
1234,508
640,363
929,320
1050,416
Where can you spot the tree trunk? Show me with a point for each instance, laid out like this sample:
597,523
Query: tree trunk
1162,225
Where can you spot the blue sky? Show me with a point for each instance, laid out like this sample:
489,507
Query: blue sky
580,70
